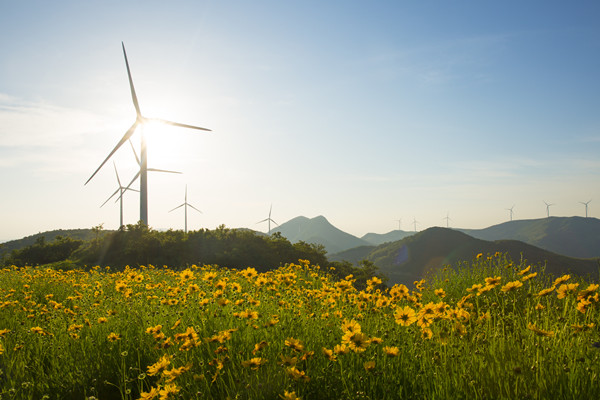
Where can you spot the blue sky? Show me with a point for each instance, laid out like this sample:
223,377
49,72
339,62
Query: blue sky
364,112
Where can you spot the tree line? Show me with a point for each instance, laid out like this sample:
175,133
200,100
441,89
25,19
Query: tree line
135,245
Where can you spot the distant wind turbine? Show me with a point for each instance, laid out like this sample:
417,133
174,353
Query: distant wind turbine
269,220
140,120
121,190
586,206
511,211
447,218
548,208
186,205
399,222
415,223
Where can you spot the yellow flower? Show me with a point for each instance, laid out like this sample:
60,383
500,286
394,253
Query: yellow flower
529,276
405,316
493,282
113,337
391,351
564,290
254,363
171,375
341,349
168,391
259,346
524,271
510,286
561,279
159,366
544,292
329,354
369,366
3,332
289,396
102,320
426,333
351,326
357,342
149,395
440,293
294,344
538,331
1,348
297,375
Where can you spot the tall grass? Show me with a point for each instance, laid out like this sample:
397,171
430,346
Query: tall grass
486,329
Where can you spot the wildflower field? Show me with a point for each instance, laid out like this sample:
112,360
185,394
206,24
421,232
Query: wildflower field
490,329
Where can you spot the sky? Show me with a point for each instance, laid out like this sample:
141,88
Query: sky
364,112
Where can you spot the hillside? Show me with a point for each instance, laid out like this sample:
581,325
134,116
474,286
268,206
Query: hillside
381,238
82,234
412,258
570,236
319,231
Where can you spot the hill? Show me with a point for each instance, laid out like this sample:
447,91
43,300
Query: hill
81,234
412,258
319,231
381,238
571,236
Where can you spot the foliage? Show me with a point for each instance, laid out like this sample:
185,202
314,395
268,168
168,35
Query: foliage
491,328
42,252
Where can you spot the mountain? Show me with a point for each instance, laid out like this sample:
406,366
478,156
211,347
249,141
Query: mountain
570,236
82,234
319,231
413,257
381,238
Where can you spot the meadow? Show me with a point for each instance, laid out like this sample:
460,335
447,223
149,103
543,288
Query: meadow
489,328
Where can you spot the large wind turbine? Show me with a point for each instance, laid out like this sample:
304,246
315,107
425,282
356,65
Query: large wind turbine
140,120
415,223
121,190
585,203
186,205
269,219
548,208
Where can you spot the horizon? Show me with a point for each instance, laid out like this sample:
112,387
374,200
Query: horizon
274,230
426,111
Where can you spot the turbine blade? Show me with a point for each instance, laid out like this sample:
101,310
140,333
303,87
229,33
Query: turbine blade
178,207
118,180
133,95
264,220
111,196
195,208
163,170
164,121
123,139
275,222
135,153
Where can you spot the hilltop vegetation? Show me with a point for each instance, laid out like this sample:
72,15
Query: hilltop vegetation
493,329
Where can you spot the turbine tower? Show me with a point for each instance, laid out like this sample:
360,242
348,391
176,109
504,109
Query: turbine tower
415,223
585,203
447,218
399,222
186,205
511,211
269,219
548,208
121,190
140,120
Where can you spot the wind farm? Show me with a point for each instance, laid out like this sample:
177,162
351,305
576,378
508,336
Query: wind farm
121,191
140,121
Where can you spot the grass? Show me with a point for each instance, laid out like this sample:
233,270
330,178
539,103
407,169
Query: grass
484,330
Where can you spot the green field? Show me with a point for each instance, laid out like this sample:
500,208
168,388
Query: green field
491,329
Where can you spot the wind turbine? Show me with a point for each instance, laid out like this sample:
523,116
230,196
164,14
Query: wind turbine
186,205
122,189
447,218
415,223
399,222
586,206
269,219
511,211
140,120
548,208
